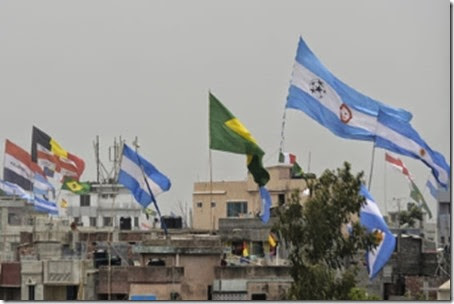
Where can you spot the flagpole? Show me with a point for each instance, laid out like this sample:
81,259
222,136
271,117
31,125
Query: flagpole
371,167
211,190
281,145
153,199
385,185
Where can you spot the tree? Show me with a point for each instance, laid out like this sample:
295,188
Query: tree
410,216
321,249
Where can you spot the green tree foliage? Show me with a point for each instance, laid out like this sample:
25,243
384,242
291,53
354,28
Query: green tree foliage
410,216
321,249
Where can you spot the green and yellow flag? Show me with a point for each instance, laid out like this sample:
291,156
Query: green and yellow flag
416,195
76,187
228,134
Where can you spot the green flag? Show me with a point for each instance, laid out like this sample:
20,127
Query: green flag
76,187
416,195
228,134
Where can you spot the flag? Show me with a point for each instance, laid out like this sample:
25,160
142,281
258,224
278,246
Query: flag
134,170
416,195
400,137
75,186
43,205
18,167
290,159
397,164
272,240
228,134
266,204
13,189
344,111
63,203
296,171
48,153
287,158
371,218
414,191
41,186
245,251
432,189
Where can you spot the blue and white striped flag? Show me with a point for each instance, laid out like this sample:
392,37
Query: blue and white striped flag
134,170
43,205
13,189
344,111
400,137
42,186
432,189
371,218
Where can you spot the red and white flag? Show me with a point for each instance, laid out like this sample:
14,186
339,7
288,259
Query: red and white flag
398,164
18,167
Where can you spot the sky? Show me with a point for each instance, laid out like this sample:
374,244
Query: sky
111,68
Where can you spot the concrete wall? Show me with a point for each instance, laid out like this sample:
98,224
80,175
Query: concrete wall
32,274
161,291
274,291
198,275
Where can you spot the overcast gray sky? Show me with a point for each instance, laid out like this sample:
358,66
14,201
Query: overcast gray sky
77,69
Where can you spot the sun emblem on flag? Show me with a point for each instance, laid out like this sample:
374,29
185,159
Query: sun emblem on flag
422,152
317,88
379,236
345,114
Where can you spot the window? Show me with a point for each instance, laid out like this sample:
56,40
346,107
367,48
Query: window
136,221
107,221
235,209
13,219
199,205
85,200
213,204
93,221
281,199
258,296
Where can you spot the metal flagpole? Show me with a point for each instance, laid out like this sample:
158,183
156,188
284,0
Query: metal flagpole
211,191
371,167
136,145
281,145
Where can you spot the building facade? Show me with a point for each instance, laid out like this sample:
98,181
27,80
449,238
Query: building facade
240,199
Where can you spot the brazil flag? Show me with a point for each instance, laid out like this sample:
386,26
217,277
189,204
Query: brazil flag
228,134
76,187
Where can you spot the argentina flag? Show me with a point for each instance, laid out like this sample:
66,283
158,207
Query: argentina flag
13,189
344,111
371,218
136,172
42,186
400,137
43,205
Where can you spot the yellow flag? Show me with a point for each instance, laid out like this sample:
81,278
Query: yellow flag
63,203
271,241
57,149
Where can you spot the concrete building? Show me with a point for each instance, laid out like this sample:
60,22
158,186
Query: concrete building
230,199
444,218
444,291
176,267
106,205
241,283
10,281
